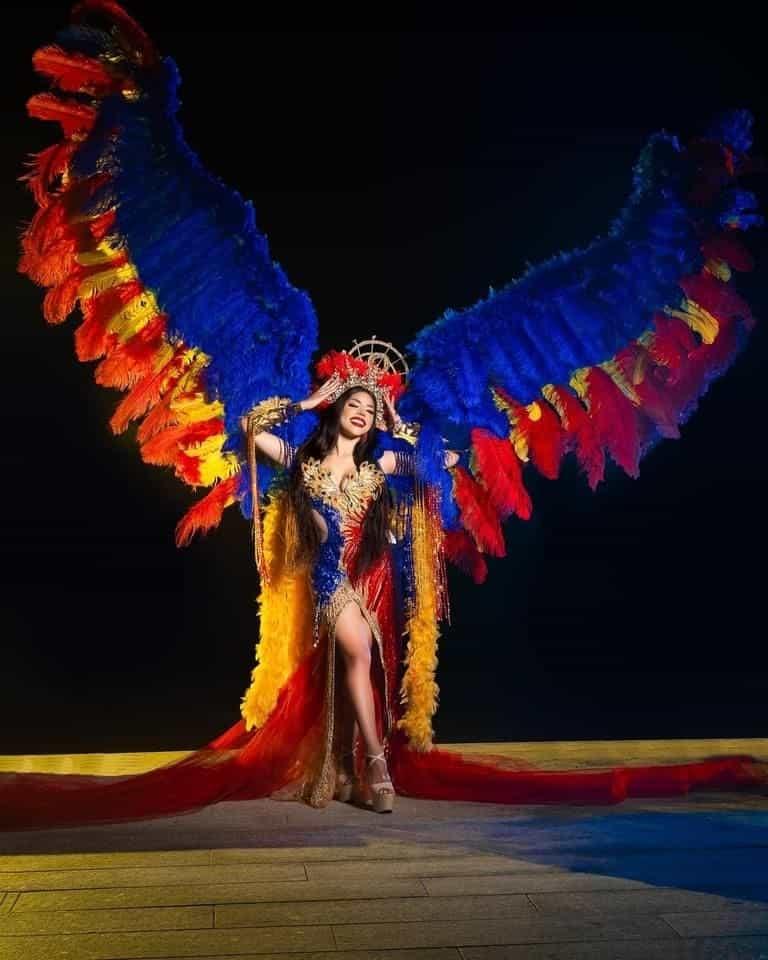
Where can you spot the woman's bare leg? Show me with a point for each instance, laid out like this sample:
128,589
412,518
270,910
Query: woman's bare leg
347,723
353,637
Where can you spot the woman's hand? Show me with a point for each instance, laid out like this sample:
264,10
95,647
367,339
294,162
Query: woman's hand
450,458
321,393
390,415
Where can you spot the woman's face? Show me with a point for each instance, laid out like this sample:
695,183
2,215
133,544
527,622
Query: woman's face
357,414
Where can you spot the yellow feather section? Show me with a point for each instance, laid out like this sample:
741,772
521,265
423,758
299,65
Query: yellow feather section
719,269
162,356
196,409
640,367
103,253
214,465
135,315
190,409
286,608
206,448
188,382
217,467
84,217
578,382
520,444
616,374
419,690
548,391
698,319
516,438
189,360
105,280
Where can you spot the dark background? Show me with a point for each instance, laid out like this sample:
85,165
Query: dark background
396,174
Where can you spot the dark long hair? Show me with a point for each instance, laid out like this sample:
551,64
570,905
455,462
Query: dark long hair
374,538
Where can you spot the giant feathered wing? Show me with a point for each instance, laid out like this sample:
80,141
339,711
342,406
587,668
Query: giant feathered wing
181,303
599,352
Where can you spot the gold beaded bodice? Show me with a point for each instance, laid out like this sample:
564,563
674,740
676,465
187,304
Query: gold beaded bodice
353,496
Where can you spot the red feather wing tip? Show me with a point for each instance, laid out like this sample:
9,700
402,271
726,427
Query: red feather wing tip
60,301
542,433
165,447
501,474
132,37
616,420
148,390
461,551
580,435
73,117
75,72
45,167
207,512
546,441
478,514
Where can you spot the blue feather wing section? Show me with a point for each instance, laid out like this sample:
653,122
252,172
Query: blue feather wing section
197,246
583,309
140,222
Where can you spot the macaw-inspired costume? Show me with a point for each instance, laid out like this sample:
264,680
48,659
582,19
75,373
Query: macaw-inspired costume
598,354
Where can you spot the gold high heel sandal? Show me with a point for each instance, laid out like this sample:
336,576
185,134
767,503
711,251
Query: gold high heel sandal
345,783
382,792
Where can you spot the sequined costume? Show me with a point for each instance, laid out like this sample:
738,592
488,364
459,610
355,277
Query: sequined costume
340,512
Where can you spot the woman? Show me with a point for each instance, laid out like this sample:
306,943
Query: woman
339,495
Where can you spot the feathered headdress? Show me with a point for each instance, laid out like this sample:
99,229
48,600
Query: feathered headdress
373,364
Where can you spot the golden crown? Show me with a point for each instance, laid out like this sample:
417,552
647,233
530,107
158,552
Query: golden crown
376,365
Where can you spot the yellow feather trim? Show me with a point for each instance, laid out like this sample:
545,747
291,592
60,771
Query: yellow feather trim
189,381
418,690
548,391
99,282
205,448
719,269
217,467
578,382
613,370
516,438
286,617
190,409
135,315
214,465
698,319
196,409
103,253
520,445
162,356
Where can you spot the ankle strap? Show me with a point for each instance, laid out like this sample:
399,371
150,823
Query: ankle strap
376,756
